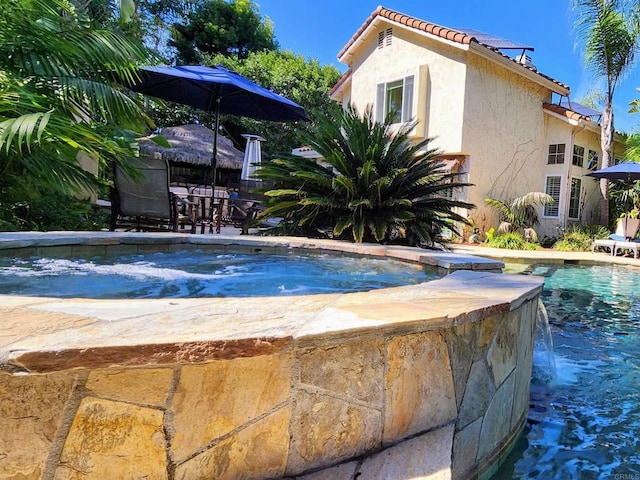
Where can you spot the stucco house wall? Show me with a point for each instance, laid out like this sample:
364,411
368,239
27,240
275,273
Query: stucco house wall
495,116
439,79
503,134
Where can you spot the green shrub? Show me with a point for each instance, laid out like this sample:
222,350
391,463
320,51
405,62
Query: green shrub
512,241
580,237
52,212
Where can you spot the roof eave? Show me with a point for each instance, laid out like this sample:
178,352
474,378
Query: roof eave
447,36
340,87
575,122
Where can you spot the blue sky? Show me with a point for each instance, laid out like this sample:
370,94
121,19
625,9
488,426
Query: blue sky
320,28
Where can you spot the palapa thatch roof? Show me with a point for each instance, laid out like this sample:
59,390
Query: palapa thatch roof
193,144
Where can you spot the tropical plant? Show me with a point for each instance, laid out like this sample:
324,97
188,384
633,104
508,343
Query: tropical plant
609,33
579,238
623,198
59,97
512,241
520,214
373,184
50,211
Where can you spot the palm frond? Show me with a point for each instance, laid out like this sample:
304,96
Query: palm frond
58,95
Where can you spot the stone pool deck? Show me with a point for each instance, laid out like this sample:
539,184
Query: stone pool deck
543,256
428,381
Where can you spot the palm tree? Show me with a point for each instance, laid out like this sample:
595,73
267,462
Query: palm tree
59,97
609,32
520,213
374,185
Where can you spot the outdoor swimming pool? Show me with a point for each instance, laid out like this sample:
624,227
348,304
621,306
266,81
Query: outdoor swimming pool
199,273
585,422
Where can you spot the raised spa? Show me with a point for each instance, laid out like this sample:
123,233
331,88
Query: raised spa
429,380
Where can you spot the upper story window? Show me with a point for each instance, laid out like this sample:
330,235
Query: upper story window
395,100
556,153
592,160
578,156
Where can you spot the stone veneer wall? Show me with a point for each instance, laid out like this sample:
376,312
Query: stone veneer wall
428,381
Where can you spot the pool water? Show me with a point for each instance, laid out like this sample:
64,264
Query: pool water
204,274
584,421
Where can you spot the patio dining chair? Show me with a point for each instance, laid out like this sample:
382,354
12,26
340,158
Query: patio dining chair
146,203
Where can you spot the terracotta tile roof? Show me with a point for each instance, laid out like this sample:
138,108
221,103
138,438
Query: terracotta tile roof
436,30
564,112
411,22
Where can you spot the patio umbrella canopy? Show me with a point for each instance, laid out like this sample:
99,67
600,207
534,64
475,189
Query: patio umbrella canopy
217,90
626,172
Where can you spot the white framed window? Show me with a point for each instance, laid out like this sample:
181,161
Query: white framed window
556,153
395,99
578,156
552,188
592,160
574,199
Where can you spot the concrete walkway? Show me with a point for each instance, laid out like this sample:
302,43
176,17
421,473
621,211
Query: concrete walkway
542,256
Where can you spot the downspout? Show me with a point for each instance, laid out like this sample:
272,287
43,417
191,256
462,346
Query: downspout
578,127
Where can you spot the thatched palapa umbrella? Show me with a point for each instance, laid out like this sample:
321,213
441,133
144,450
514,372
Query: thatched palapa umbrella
192,145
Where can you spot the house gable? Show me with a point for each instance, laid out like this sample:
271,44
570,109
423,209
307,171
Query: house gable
445,35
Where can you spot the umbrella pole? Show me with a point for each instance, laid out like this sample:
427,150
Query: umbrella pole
214,168
214,153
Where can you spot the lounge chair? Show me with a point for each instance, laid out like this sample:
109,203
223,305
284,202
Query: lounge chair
630,246
605,243
620,241
147,203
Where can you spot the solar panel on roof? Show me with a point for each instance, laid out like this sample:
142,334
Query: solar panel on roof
580,109
493,41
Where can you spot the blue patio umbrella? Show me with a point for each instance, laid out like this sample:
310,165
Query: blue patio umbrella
217,90
626,172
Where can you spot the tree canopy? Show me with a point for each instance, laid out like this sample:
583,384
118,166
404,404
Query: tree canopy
232,28
608,30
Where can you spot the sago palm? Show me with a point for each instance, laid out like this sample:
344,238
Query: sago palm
58,95
374,183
